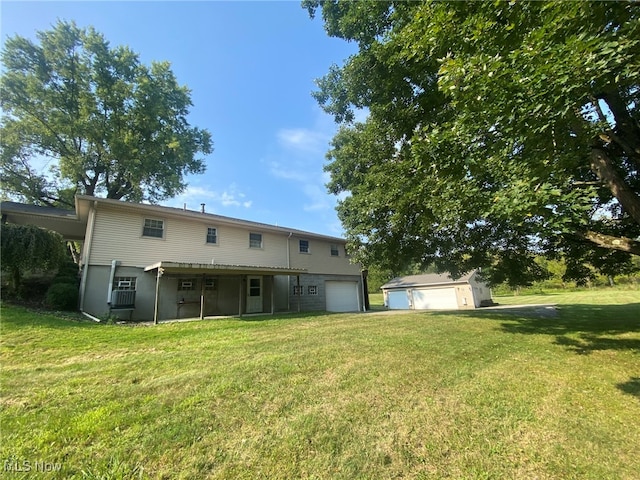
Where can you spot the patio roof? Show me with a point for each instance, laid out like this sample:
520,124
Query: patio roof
175,268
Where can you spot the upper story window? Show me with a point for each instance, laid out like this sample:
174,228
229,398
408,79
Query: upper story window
334,250
212,235
255,240
304,246
153,228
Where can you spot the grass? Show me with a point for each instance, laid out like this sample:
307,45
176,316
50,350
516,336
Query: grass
478,394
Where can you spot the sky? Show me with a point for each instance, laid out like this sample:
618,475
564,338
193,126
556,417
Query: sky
251,68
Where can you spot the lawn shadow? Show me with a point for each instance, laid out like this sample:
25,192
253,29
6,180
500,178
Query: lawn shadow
580,328
632,387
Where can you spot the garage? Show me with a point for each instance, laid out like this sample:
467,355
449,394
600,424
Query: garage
435,299
436,291
398,300
342,296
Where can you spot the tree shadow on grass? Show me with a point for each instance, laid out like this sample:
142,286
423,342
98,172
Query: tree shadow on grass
585,328
632,387
580,328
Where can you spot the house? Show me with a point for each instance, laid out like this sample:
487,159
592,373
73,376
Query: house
149,262
436,292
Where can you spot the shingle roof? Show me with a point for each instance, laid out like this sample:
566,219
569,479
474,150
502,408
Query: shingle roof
425,280
15,207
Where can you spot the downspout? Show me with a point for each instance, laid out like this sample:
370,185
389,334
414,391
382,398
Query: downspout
112,275
365,290
86,251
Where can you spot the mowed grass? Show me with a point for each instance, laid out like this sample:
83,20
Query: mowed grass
480,394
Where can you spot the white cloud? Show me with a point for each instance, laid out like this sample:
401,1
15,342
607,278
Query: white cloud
303,140
194,196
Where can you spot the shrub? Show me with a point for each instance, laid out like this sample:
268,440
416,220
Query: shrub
63,296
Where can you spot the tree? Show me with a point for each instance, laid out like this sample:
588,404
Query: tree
106,124
496,132
26,247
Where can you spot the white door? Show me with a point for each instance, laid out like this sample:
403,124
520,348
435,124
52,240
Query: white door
398,299
435,299
342,296
254,294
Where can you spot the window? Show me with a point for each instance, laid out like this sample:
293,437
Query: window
312,290
298,289
254,287
124,283
334,250
304,246
210,284
255,240
187,284
212,235
153,228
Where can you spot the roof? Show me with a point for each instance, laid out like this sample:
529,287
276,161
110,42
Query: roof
429,279
65,222
72,224
175,268
200,216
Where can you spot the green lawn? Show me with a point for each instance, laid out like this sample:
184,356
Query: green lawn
479,394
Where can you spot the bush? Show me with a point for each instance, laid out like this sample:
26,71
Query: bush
63,296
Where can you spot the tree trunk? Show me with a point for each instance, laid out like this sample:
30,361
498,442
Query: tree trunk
603,167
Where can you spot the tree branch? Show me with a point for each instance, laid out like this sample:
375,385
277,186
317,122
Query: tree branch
623,244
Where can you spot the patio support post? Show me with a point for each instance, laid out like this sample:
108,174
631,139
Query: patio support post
204,277
242,278
298,289
273,284
155,305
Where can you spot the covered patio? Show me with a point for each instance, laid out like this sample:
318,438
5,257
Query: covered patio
250,284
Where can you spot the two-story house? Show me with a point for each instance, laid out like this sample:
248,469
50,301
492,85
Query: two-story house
148,262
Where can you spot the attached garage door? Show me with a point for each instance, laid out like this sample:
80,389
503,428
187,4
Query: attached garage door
435,298
342,296
398,300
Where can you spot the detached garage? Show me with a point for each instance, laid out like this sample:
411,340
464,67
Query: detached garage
436,292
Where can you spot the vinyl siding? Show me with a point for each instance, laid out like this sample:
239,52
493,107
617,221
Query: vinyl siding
319,259
118,235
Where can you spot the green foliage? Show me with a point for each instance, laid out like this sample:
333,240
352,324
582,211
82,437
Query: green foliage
26,247
62,296
496,132
113,126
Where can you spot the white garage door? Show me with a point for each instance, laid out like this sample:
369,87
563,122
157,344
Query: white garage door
435,298
398,300
342,296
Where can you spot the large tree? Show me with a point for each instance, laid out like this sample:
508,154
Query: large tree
106,124
496,132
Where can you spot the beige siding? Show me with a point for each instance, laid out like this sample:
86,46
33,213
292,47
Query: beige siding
118,236
319,259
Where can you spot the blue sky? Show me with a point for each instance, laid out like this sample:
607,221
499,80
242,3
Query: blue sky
251,68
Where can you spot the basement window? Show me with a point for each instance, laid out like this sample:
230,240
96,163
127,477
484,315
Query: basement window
187,284
124,283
